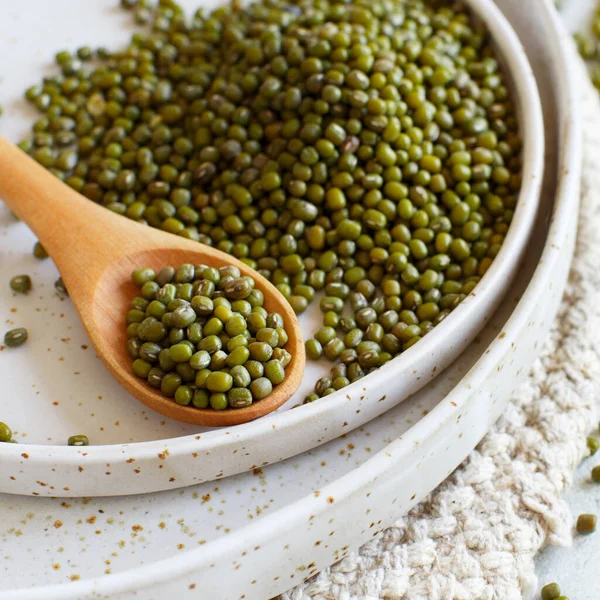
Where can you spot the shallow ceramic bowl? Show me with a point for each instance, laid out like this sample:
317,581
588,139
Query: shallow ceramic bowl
257,534
61,388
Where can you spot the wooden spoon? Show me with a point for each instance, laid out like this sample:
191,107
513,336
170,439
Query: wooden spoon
96,250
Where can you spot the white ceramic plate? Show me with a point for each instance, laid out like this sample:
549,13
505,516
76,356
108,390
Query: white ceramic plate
256,534
61,387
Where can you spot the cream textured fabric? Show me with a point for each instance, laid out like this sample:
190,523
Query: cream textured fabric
476,536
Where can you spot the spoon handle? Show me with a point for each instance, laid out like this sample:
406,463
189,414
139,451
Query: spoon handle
69,226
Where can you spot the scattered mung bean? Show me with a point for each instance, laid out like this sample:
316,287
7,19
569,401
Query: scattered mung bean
78,440
586,524
16,337
21,284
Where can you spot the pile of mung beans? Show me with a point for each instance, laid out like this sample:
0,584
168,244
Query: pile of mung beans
365,150
202,336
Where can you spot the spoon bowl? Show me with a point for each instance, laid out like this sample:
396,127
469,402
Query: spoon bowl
96,251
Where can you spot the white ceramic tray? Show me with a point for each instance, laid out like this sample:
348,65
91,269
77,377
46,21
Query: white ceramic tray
62,389
255,535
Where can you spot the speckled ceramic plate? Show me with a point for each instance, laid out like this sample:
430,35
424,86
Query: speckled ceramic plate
256,534
55,387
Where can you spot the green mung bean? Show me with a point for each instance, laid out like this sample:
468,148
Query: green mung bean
5,433
550,591
586,524
78,440
200,352
39,251
16,337
21,284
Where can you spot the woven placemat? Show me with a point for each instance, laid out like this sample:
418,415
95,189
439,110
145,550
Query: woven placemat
476,536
